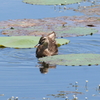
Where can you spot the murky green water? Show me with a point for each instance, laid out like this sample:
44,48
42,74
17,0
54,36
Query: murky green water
21,75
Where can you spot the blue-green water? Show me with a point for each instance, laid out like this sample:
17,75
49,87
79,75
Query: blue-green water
16,9
22,76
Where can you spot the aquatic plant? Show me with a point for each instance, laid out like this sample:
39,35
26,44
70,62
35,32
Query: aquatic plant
60,25
73,59
25,41
51,2
59,30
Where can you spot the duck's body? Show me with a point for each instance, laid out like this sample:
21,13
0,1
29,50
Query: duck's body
47,46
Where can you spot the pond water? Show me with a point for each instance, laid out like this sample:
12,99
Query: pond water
16,9
23,76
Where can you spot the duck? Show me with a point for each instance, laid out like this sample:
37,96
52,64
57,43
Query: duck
47,46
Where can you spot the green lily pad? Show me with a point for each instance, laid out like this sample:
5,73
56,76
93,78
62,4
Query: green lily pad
51,2
25,41
74,31
72,59
61,31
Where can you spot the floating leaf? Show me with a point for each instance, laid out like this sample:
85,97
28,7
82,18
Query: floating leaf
51,2
30,22
44,26
60,31
74,31
24,41
73,59
62,42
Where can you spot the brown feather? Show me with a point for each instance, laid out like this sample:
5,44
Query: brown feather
47,46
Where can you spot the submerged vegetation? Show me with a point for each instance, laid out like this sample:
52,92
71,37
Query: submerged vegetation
79,26
24,34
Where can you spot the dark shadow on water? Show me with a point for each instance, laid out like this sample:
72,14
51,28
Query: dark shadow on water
44,67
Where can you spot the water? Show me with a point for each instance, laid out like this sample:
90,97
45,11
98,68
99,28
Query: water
84,44
21,74
15,9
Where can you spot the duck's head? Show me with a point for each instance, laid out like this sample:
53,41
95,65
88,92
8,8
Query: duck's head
45,40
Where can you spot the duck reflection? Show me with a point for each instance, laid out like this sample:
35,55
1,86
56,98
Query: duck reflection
44,67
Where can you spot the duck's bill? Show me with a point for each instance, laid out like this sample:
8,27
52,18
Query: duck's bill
36,45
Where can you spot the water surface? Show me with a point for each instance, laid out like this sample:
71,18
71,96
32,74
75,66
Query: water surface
16,9
22,75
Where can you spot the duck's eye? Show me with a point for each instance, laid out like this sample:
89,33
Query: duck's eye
42,40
